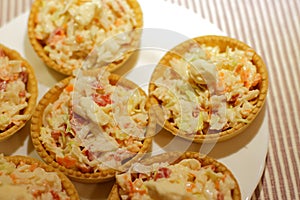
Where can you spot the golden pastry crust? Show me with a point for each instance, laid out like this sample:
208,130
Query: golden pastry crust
31,88
223,43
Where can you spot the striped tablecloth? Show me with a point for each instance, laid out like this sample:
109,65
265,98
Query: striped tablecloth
272,28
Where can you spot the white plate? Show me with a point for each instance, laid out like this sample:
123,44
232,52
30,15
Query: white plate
166,25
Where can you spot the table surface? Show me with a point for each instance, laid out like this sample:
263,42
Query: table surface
272,28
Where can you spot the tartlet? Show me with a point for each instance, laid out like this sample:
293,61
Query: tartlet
209,88
18,89
93,126
24,177
176,175
64,33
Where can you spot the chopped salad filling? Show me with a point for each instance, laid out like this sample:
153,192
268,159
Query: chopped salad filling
69,29
13,93
94,124
29,181
208,90
184,180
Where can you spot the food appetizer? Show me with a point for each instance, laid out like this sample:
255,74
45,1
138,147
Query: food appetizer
176,175
23,177
64,32
18,92
92,125
209,88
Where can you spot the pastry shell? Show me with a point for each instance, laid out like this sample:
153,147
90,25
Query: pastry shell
31,87
222,42
39,48
76,175
67,185
176,157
